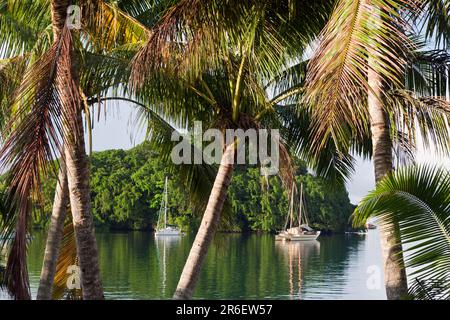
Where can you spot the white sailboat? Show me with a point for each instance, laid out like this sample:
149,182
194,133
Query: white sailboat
163,229
302,232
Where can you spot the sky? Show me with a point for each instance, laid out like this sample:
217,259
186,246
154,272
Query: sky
120,131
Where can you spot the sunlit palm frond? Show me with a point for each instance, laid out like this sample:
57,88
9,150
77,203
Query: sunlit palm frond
18,32
170,34
108,26
195,34
337,84
417,198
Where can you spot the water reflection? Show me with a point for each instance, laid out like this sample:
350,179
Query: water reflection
297,254
163,245
135,265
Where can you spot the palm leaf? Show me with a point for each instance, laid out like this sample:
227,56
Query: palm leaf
412,115
435,20
108,26
18,32
33,140
194,35
428,73
417,198
11,75
67,257
337,84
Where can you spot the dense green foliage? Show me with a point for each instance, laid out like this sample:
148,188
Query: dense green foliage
261,204
127,187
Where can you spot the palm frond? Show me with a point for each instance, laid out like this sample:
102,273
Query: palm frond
147,12
102,72
435,18
411,115
194,35
11,74
332,165
67,257
18,32
417,198
428,73
33,140
108,26
337,84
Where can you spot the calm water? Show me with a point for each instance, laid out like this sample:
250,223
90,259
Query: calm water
137,266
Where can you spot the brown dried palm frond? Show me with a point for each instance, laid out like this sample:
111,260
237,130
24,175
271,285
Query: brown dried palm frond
337,84
33,141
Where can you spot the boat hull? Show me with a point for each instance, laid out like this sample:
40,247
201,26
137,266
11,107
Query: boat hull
296,237
304,237
168,232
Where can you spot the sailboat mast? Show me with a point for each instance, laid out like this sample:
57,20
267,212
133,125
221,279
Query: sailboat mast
300,206
291,207
165,204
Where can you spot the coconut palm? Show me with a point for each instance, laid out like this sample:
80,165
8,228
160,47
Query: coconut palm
123,29
214,61
354,76
417,199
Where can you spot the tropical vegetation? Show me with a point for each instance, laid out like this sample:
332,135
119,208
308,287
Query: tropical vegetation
127,187
371,86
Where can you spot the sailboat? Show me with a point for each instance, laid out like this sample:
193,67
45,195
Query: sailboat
163,229
303,231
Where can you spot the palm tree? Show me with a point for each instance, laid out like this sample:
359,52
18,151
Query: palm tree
361,61
124,30
417,199
54,237
215,60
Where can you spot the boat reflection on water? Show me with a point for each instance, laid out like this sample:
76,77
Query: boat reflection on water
163,245
297,254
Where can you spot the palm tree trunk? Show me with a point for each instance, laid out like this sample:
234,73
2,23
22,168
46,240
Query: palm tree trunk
208,227
78,182
394,270
54,236
77,167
